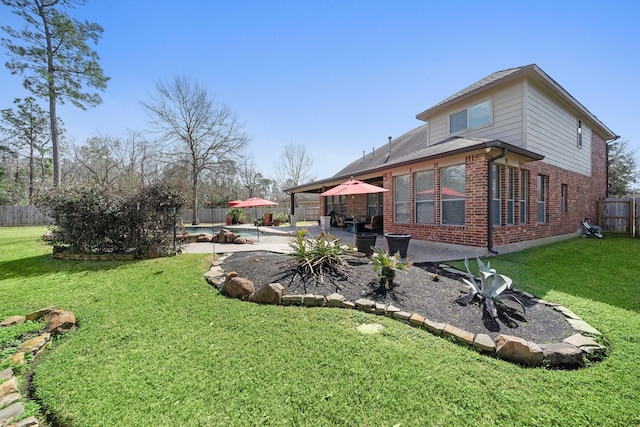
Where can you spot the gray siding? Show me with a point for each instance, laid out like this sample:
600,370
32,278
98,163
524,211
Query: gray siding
507,105
552,130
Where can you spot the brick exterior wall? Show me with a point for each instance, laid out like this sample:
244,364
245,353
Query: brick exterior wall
583,194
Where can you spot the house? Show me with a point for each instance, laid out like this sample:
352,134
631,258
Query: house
512,158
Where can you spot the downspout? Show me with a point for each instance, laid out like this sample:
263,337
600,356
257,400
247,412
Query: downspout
490,201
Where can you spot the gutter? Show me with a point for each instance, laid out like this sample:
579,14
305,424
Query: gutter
490,201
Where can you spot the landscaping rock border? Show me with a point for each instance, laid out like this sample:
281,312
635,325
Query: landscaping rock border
571,353
56,322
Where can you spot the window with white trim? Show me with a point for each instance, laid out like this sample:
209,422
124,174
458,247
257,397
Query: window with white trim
401,198
424,197
452,195
496,203
511,193
475,116
524,188
564,194
542,199
579,136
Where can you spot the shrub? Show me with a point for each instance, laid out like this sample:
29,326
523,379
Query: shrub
318,256
94,220
386,265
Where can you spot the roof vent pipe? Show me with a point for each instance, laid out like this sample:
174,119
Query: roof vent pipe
388,152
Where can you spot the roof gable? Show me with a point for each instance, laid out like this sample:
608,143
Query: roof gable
505,76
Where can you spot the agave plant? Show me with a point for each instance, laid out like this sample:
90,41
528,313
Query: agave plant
490,287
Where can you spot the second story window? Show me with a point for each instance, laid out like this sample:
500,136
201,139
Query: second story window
473,117
579,136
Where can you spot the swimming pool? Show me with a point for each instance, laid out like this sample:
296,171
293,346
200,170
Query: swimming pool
242,232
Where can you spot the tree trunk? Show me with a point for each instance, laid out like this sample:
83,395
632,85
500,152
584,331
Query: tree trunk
195,220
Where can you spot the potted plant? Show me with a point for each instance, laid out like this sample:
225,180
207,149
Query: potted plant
365,241
236,215
280,218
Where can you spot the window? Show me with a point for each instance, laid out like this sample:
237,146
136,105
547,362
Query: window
496,202
579,133
564,193
473,117
424,197
542,199
511,191
524,188
401,198
452,195
374,204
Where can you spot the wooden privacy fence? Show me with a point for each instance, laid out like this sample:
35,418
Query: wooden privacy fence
22,215
618,216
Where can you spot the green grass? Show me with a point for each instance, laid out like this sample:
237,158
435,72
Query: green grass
157,346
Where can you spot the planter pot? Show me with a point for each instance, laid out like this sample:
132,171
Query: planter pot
364,242
398,243
228,220
276,223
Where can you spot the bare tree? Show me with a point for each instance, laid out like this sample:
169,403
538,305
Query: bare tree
195,129
294,166
51,51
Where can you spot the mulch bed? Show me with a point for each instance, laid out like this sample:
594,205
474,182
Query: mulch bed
415,291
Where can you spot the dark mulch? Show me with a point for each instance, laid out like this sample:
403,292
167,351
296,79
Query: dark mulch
415,291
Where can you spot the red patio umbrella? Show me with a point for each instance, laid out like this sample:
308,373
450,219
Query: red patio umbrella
255,202
351,187
234,202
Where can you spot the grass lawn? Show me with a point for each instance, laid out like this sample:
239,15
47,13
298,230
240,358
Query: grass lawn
157,346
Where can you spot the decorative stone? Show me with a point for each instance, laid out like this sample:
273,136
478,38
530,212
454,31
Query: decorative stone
9,387
519,350
483,342
335,300
28,422
370,328
392,309
12,411
582,326
366,303
268,294
38,314
379,309
13,320
462,336
60,321
9,399
416,319
204,237
564,310
562,355
5,374
238,287
435,328
402,315
580,340
348,304
35,345
17,359
291,299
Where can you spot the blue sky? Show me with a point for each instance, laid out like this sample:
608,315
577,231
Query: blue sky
342,76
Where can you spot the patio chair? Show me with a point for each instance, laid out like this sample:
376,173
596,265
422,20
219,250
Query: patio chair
375,224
